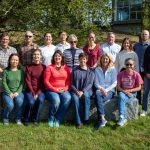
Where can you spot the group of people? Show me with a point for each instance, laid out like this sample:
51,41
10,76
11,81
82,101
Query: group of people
65,73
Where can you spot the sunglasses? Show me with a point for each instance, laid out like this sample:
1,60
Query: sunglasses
73,42
129,64
28,36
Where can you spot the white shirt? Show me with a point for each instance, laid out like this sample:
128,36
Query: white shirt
62,47
47,53
111,50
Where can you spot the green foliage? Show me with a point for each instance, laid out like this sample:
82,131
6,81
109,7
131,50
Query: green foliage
43,14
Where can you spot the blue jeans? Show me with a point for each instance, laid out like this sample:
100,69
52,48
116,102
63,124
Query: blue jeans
99,101
36,105
81,107
146,92
9,105
59,104
123,100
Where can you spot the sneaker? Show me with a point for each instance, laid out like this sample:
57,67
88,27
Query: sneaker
51,123
122,121
19,122
143,113
56,124
5,122
79,126
100,124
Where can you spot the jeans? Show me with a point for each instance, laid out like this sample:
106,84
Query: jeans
123,100
99,101
146,92
36,105
9,105
59,104
78,104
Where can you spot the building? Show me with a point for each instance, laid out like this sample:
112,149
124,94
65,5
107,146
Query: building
127,15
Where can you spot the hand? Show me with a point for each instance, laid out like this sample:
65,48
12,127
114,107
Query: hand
1,70
79,93
148,75
35,97
128,92
103,91
11,95
16,94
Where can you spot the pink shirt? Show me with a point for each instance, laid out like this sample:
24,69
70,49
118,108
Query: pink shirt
93,54
55,78
129,80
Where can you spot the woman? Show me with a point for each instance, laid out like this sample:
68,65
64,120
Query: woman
34,93
47,49
63,41
71,55
57,82
13,83
93,50
128,83
126,52
81,86
105,83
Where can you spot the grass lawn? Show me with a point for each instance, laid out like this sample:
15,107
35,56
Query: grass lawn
135,135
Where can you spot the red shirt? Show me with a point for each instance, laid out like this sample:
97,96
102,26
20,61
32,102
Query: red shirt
55,78
93,54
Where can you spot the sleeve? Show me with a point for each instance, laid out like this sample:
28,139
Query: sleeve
4,83
47,76
28,80
99,52
73,81
117,63
22,82
139,80
113,82
67,85
96,80
136,62
119,79
145,61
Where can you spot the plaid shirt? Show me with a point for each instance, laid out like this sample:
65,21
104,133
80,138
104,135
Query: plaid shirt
4,55
26,53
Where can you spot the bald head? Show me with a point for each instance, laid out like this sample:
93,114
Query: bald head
145,35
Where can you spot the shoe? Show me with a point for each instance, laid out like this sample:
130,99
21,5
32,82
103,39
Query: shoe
143,113
51,123
6,122
122,121
35,123
100,124
79,126
56,124
26,123
86,122
18,122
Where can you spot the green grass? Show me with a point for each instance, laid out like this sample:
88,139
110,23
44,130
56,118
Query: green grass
135,135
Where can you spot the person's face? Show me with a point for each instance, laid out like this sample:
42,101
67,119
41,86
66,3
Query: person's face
63,36
111,39
29,37
5,41
92,37
105,61
57,58
14,61
126,45
36,56
145,36
73,43
129,65
83,61
48,38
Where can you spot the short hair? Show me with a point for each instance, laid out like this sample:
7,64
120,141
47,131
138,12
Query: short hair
35,51
110,33
128,59
144,31
10,57
62,32
61,54
4,34
28,32
126,39
83,55
72,36
110,60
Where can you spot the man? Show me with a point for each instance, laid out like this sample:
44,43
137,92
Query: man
146,64
110,47
27,49
5,52
140,48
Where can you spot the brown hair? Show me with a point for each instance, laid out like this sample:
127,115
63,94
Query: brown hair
127,39
62,56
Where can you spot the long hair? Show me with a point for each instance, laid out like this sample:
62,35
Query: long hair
127,39
62,56
110,60
10,57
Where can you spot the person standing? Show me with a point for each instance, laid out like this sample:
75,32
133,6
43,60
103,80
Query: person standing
27,49
110,47
93,50
47,49
82,80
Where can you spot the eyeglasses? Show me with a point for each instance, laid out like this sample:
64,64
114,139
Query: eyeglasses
129,64
28,36
73,42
